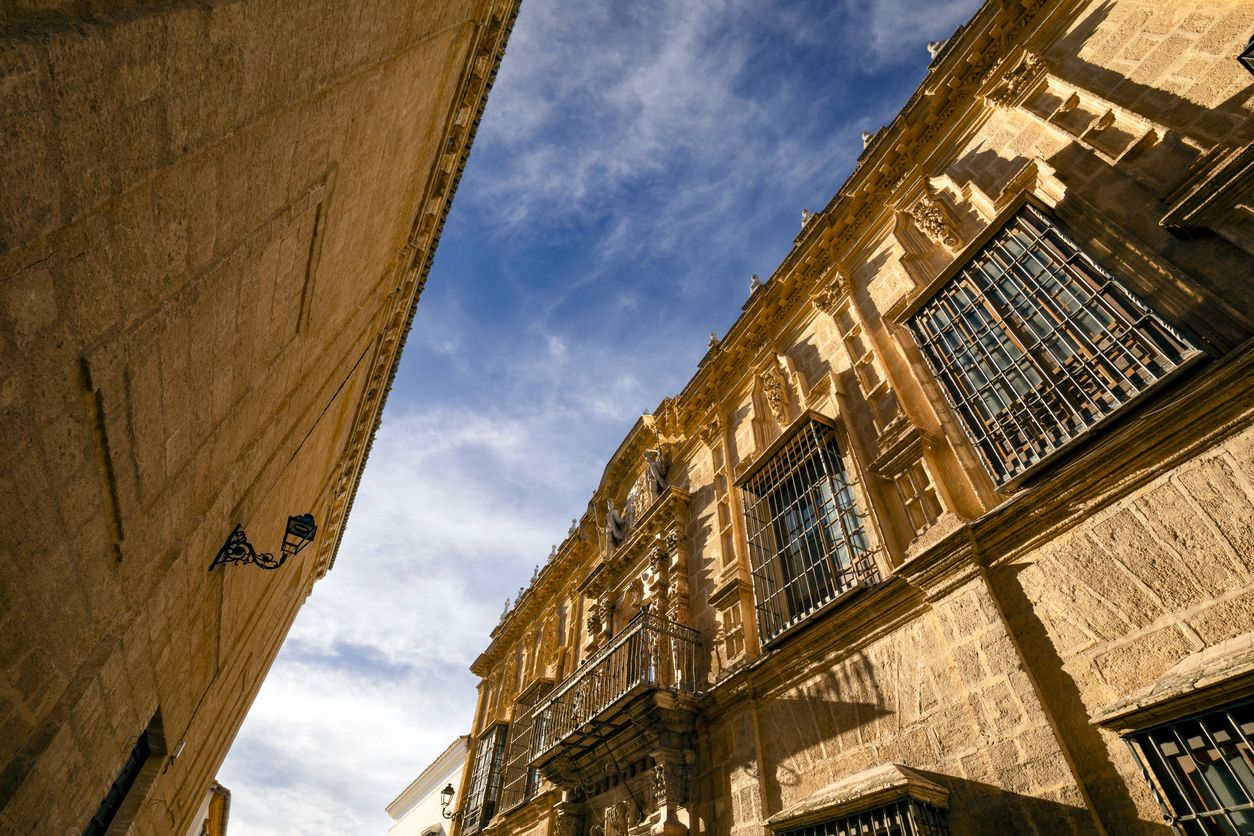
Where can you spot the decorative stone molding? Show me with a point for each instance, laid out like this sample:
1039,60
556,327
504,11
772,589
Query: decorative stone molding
670,784
1016,81
870,788
933,219
829,298
712,432
775,391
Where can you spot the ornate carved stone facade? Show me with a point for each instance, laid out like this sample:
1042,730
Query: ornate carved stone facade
215,222
907,592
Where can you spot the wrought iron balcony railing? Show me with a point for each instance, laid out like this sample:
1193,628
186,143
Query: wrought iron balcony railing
650,653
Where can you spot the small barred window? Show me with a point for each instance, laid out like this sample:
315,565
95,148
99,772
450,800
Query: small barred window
807,540
907,817
1035,344
1202,769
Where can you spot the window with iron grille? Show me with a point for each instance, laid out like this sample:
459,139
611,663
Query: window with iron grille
907,817
1035,344
1202,768
807,540
519,782
485,781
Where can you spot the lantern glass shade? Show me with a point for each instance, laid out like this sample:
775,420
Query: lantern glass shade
446,795
300,533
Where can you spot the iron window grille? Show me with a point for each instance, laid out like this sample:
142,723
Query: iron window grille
1035,344
907,817
807,540
519,782
1202,770
485,782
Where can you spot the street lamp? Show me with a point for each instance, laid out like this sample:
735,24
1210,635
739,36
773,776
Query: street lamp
446,798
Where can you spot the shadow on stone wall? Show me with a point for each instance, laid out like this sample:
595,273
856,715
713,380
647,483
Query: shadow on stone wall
1107,789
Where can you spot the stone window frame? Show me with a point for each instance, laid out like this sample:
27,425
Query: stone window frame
776,616
1006,474
132,781
887,799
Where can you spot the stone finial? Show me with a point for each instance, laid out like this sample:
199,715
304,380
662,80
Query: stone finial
574,524
934,48
867,136
755,281
713,343
806,217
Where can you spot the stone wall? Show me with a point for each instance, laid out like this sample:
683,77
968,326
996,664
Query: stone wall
215,223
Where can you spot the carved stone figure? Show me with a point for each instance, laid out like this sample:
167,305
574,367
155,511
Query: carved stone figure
806,217
615,525
755,281
657,469
933,220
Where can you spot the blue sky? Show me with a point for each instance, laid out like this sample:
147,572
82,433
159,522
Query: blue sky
636,164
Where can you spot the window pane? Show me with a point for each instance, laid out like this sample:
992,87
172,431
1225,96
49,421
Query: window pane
1034,344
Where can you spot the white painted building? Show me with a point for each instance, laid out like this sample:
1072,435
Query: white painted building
416,811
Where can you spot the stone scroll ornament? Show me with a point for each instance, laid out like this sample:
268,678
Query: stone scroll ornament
828,299
1013,83
774,389
933,220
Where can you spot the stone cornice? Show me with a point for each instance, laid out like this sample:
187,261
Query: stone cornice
412,263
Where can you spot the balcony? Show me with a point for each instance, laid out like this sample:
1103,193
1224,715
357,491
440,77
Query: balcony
651,656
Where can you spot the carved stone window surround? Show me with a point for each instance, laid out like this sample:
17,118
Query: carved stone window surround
865,790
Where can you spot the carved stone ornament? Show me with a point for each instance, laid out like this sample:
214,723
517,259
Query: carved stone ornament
933,220
660,559
669,784
567,823
775,390
712,431
619,817
672,539
1012,83
828,299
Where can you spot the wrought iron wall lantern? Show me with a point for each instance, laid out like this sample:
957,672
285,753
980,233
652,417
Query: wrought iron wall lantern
299,533
446,798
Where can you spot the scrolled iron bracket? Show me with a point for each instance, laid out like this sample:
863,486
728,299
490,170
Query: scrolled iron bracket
238,550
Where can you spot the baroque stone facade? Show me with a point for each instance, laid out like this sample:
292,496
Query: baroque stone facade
215,222
934,537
